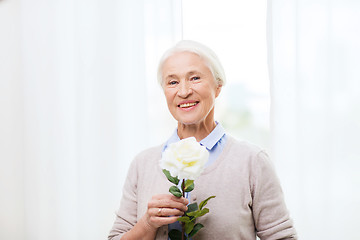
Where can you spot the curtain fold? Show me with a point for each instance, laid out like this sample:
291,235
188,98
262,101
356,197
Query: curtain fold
314,70
74,98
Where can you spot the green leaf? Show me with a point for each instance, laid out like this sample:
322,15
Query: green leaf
202,212
192,207
172,179
175,234
184,219
203,203
198,213
174,190
189,227
189,185
197,227
193,214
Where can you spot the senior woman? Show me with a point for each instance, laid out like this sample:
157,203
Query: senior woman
249,199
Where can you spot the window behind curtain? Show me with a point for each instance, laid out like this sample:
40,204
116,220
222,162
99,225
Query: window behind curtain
236,31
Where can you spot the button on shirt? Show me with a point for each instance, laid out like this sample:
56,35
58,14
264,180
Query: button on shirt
214,143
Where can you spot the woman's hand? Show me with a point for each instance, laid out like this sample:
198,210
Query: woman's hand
165,209
162,209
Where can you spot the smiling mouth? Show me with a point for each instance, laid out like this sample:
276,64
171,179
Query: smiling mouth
187,105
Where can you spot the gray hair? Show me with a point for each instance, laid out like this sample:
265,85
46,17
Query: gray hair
203,52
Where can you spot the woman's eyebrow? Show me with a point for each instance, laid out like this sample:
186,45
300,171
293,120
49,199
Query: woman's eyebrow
194,71
171,76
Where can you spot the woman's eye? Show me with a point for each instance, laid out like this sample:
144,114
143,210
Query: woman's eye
173,82
195,78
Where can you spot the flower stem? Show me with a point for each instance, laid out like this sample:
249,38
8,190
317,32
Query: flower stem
183,224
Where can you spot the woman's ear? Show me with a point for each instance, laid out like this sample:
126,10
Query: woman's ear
218,90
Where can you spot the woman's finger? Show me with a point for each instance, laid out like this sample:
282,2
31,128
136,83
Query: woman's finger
165,212
161,221
168,202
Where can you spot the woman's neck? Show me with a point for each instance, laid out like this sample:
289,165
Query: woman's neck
199,131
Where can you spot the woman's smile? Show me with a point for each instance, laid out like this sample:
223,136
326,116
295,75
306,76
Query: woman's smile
188,105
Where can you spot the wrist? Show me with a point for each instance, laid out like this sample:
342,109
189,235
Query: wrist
146,224
142,230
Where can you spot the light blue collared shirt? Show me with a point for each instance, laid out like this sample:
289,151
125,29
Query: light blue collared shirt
214,143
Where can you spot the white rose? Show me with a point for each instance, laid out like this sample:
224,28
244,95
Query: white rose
185,159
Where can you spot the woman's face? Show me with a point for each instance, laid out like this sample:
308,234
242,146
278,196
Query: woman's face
190,88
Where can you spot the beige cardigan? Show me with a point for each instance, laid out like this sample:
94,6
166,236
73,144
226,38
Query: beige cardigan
248,201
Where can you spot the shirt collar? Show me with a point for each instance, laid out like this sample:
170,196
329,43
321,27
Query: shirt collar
214,137
209,142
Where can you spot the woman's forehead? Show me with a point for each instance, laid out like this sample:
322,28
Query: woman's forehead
185,61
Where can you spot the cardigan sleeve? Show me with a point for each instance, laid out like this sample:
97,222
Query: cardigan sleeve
126,216
271,217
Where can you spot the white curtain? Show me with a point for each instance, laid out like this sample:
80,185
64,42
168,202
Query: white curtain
74,101
314,56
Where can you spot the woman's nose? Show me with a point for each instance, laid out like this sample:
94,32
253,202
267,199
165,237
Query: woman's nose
184,89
